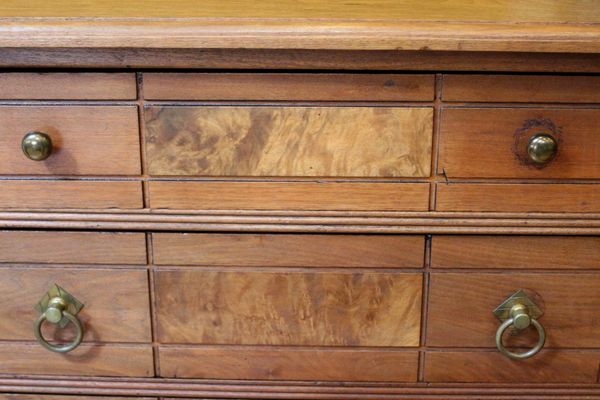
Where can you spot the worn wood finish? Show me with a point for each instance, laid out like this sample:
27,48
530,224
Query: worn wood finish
493,367
72,248
86,360
289,196
288,86
253,250
521,88
45,194
290,363
326,309
492,142
289,141
116,303
487,197
67,86
62,397
86,140
515,252
570,303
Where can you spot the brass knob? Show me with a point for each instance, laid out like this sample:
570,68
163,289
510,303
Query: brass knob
542,148
520,319
37,146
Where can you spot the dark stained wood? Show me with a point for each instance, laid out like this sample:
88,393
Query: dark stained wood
72,248
86,140
67,86
289,196
521,88
493,367
515,252
86,360
489,197
46,194
326,309
288,250
461,305
310,364
492,142
116,303
289,141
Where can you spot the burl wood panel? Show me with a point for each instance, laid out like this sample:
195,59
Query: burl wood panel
116,303
72,247
288,86
515,252
289,196
86,360
256,250
45,194
365,365
327,309
461,305
493,367
87,140
521,88
67,86
491,142
289,141
518,197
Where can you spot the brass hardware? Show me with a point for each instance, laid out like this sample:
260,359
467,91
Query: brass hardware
37,146
519,312
542,148
60,308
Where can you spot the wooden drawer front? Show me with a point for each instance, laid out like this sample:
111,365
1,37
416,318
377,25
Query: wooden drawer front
492,142
87,140
69,86
276,250
116,303
289,141
72,247
240,362
571,306
521,88
288,86
321,309
331,196
515,252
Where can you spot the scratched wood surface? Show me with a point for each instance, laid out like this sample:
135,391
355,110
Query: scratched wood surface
289,141
327,309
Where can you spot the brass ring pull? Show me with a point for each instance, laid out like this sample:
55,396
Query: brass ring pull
520,319
59,348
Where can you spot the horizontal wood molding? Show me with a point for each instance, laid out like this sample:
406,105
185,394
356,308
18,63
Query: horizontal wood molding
63,397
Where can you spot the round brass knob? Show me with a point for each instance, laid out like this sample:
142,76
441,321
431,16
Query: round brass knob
520,319
55,312
542,148
37,146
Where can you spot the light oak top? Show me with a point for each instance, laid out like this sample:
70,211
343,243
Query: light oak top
484,25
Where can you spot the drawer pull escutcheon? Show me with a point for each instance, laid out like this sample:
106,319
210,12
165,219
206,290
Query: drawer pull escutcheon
60,308
37,146
542,148
519,312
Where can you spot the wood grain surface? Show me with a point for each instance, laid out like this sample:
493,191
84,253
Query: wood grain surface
86,360
492,142
72,247
289,141
521,88
493,367
116,303
288,86
322,309
487,197
208,362
258,250
355,196
515,252
570,303
63,397
86,140
67,86
46,194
